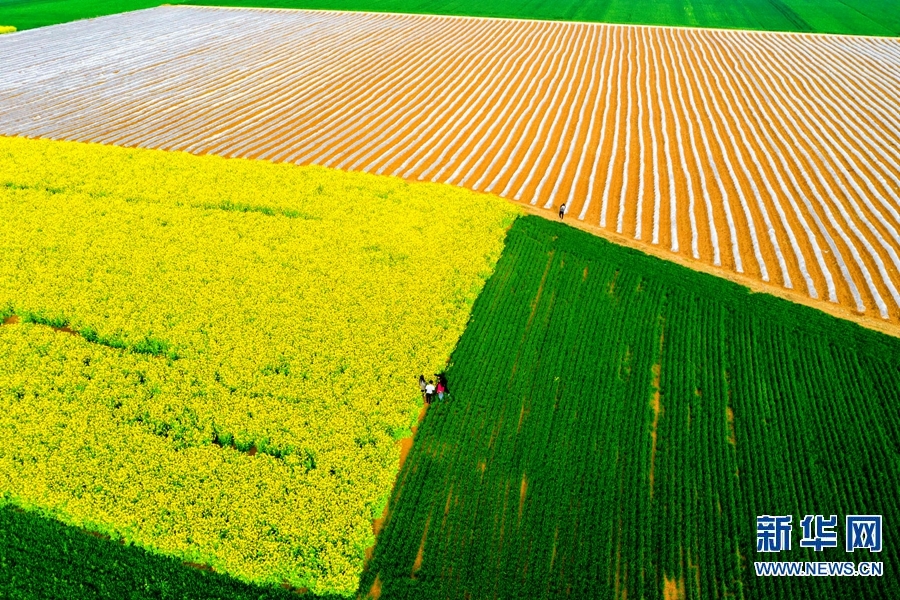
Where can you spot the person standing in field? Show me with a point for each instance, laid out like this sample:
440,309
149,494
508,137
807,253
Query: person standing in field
442,379
429,392
440,390
562,211
422,385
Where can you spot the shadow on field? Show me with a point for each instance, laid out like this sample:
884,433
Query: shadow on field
43,558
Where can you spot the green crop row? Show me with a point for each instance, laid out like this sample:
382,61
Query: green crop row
858,17
553,471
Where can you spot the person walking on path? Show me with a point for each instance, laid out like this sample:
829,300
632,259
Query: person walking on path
440,390
562,211
422,385
429,392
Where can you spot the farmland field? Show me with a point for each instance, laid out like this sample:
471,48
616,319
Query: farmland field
208,362
860,17
217,366
770,156
42,558
616,425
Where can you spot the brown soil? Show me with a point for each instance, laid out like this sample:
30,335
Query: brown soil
298,591
488,53
98,535
447,504
420,555
447,507
869,320
619,590
763,108
252,451
828,190
405,445
673,590
727,187
545,162
478,170
521,416
657,409
555,542
729,415
375,590
492,112
537,298
629,179
655,404
384,120
523,491
606,149
742,107
14,319
526,129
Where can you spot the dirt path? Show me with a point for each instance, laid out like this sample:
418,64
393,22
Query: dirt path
405,446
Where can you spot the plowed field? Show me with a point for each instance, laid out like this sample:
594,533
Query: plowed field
772,155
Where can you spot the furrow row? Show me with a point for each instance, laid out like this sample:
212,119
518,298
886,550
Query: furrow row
772,155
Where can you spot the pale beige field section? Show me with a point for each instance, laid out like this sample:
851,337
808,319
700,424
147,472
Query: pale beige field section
768,154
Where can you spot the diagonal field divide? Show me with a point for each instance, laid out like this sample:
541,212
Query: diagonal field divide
771,155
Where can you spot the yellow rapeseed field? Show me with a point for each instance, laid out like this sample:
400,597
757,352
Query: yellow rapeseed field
222,305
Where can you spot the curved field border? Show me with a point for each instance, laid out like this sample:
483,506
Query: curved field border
856,17
770,156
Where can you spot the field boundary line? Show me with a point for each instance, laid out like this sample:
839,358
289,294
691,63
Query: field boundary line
754,285
432,15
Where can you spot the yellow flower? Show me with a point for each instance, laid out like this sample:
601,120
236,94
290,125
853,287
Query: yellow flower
224,305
